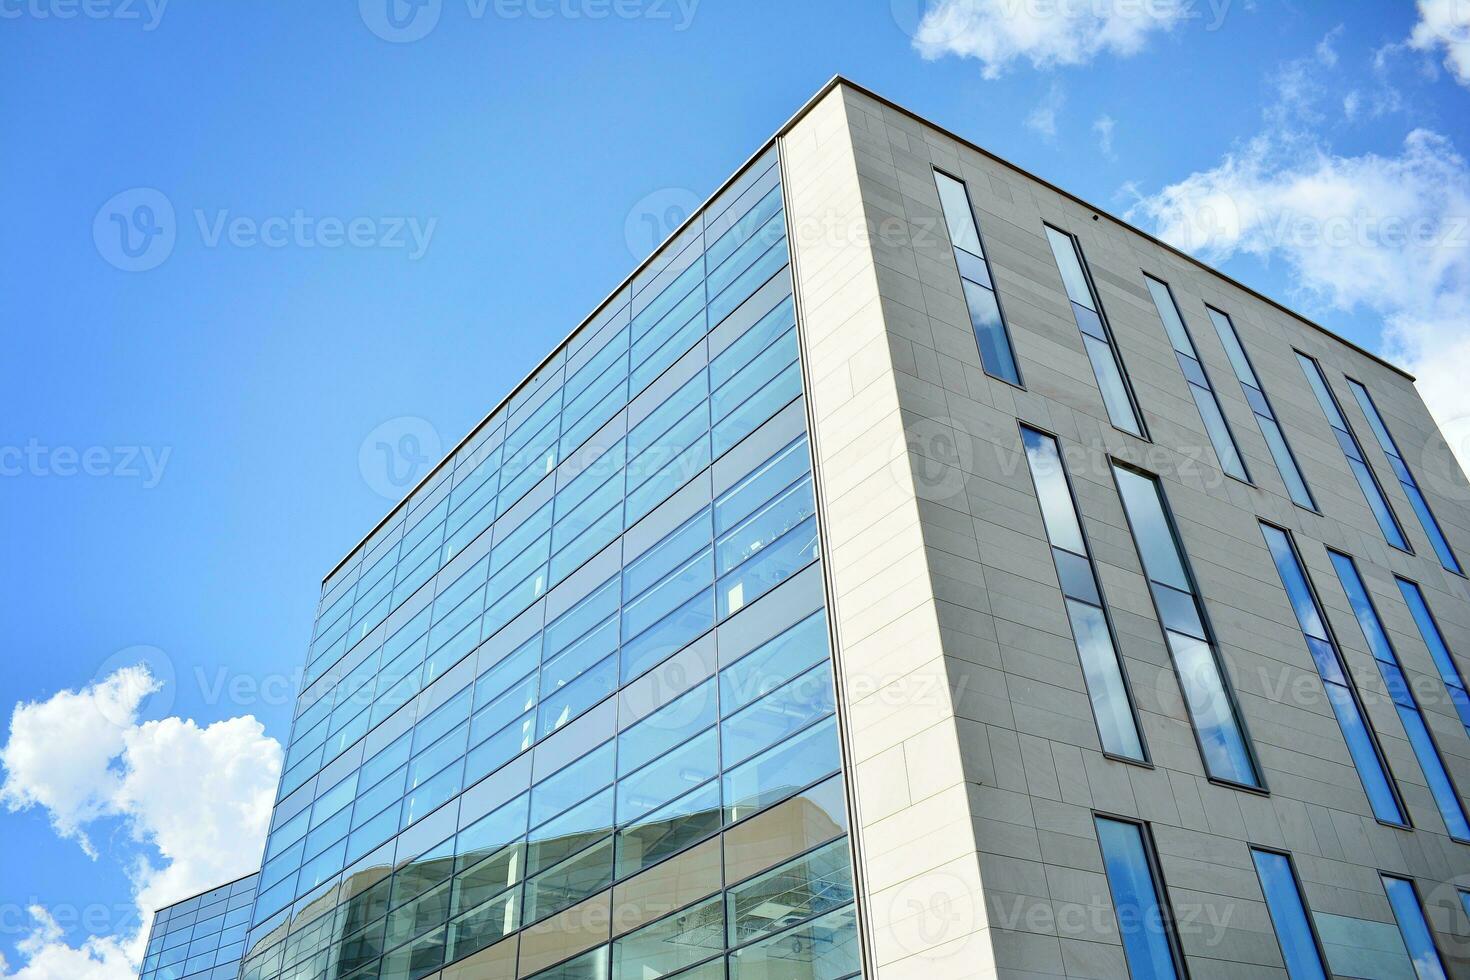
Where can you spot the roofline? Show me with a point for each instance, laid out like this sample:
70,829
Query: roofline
206,891
832,84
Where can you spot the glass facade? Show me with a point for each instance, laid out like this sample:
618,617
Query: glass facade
583,674
1342,694
1388,522
1200,388
201,938
1439,651
1441,787
1092,629
1255,396
996,353
1221,734
1107,366
1144,921
1405,477
1289,917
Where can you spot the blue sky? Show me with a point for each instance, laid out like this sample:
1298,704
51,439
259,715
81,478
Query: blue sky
183,447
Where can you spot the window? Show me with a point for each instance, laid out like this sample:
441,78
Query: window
1102,669
996,354
1449,671
1221,734
1096,337
1406,479
1255,396
1289,916
1341,694
1413,927
1435,774
1388,522
1144,921
1199,382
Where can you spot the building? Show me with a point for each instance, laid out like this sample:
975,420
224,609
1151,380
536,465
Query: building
910,570
201,938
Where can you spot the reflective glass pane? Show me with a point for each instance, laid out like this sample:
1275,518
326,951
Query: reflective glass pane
1143,923
1289,916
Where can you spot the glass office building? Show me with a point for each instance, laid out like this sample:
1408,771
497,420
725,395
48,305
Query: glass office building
201,938
881,582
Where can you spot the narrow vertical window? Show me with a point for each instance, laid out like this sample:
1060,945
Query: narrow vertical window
1255,396
1144,922
1444,661
1289,916
996,354
1406,478
1413,927
1212,708
1096,337
1435,774
1341,694
1102,669
1388,522
1199,382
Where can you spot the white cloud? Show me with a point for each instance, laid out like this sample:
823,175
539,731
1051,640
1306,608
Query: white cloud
1047,33
199,797
1103,126
1445,25
1043,118
1387,233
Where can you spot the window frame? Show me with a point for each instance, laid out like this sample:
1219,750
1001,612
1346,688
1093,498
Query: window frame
1248,480
1147,760
1413,884
1408,547
1301,896
1296,463
1352,682
1156,876
1213,640
1123,373
1005,328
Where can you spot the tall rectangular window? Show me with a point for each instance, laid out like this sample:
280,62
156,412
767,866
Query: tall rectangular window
1117,394
1388,522
1221,733
996,354
1435,774
1413,927
1341,693
1255,396
1290,918
1199,382
1406,478
1144,921
1102,669
1444,661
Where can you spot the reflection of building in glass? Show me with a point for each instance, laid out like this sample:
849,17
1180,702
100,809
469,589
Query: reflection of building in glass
201,938
889,578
